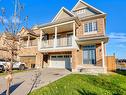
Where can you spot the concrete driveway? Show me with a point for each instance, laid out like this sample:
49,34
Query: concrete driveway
25,82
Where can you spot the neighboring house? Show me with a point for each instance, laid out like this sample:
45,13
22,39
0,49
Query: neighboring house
74,40
29,47
121,64
4,54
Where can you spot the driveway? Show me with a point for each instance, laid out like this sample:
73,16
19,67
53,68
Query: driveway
23,83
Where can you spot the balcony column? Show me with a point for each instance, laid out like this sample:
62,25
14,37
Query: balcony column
40,40
55,39
103,54
74,29
74,35
28,41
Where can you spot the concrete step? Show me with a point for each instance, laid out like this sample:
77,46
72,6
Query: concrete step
91,69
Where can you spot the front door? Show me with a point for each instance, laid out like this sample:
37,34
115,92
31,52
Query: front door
89,55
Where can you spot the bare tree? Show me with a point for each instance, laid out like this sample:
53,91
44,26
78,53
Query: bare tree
11,39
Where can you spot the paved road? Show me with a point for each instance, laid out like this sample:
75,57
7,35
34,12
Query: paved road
23,83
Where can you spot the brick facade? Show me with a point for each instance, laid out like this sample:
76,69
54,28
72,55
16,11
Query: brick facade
42,55
100,20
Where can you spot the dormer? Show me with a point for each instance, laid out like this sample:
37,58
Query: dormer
82,9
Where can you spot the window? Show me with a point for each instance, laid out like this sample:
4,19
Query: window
69,39
58,40
60,56
53,56
45,36
89,54
91,27
95,26
86,27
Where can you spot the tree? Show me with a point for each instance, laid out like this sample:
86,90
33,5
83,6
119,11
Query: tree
11,39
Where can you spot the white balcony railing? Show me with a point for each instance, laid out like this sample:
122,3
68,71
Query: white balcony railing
47,43
61,42
30,44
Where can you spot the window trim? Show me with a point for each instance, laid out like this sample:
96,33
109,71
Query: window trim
91,32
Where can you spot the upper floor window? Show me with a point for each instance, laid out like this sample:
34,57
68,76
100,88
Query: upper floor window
91,27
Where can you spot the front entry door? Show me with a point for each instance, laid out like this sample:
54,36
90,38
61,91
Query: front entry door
89,55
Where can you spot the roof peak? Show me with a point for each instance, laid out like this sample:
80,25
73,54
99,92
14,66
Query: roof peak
66,10
88,5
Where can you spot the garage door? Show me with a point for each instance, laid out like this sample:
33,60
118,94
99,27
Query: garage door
29,60
61,61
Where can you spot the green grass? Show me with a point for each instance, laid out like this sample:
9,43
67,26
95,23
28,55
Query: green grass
76,84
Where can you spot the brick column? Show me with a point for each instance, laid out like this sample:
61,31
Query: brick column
39,60
74,61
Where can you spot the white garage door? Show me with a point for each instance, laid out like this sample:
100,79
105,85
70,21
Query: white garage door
61,61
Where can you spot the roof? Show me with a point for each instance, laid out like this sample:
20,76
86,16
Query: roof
66,11
62,21
88,5
27,31
70,13
88,38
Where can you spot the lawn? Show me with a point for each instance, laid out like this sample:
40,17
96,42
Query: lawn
14,71
79,84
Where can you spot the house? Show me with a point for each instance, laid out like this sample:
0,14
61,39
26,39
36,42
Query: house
121,64
75,39
29,47
5,55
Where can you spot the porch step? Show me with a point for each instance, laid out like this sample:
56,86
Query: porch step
91,69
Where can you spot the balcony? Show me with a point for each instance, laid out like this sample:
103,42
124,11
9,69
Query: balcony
61,43
47,43
59,37
29,43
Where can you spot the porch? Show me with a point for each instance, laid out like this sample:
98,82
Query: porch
93,55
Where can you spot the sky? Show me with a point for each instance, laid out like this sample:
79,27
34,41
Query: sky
43,11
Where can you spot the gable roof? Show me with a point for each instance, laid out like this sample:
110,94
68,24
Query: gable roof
24,31
84,4
66,11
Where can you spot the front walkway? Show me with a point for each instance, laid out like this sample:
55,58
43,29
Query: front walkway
23,83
